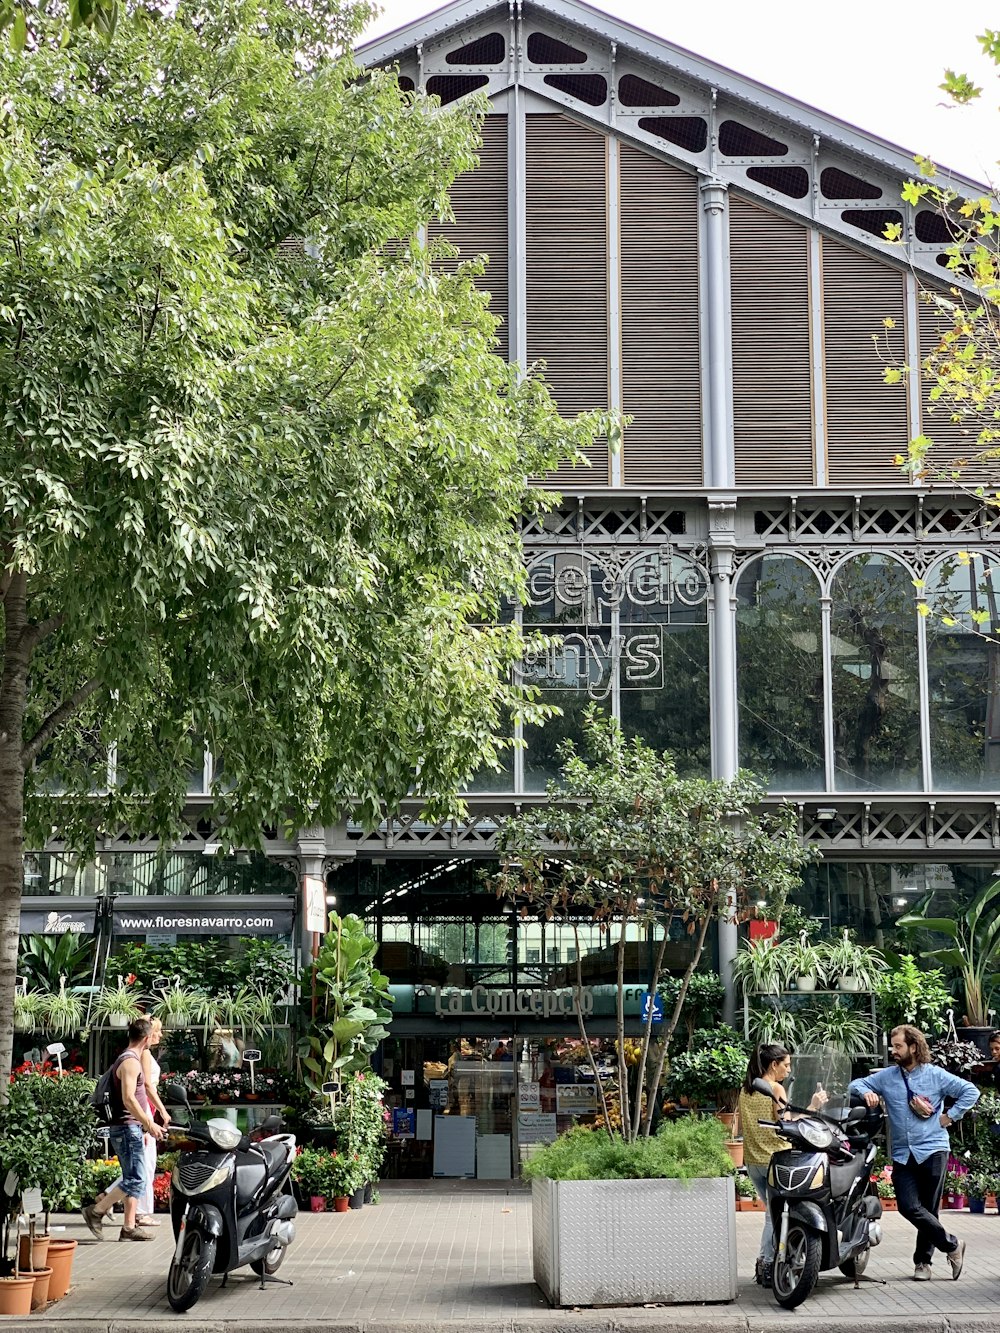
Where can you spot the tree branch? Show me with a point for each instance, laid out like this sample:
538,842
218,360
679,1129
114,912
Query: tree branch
33,635
31,749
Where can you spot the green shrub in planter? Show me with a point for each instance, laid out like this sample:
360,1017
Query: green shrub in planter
688,1149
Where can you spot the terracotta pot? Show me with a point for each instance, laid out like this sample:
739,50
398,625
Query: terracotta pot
33,1253
40,1292
15,1295
728,1118
889,1206
341,1203
317,1204
756,1205
991,1201
735,1149
60,1260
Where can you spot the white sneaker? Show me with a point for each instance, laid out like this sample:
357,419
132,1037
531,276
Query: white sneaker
922,1273
956,1259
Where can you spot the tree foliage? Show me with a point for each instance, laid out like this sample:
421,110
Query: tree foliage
623,839
262,471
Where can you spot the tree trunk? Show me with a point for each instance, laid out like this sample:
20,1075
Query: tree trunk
623,1101
13,691
655,1081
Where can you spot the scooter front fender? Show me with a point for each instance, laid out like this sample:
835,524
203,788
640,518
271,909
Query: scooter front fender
206,1218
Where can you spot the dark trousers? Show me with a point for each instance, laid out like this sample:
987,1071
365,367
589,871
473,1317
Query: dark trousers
918,1187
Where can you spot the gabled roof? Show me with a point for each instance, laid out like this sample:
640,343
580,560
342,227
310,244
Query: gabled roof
691,67
697,114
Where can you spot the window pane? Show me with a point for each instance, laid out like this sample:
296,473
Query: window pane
876,700
572,675
673,714
779,646
962,670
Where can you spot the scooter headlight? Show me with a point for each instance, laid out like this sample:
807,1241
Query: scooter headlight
815,1133
224,1134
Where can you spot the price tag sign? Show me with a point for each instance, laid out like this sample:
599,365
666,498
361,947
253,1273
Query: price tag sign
332,1090
250,1058
31,1201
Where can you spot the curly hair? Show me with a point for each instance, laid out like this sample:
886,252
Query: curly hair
915,1038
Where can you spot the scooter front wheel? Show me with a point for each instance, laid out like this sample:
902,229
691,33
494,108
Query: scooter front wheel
190,1271
795,1276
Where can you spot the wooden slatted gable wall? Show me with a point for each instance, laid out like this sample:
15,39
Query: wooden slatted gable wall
567,272
772,381
866,421
479,200
661,375
953,440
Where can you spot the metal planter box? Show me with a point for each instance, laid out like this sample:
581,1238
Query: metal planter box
632,1242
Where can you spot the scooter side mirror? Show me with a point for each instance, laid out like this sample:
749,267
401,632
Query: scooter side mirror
856,1113
269,1125
762,1085
175,1094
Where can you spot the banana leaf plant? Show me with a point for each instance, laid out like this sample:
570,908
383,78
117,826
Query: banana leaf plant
973,950
349,1002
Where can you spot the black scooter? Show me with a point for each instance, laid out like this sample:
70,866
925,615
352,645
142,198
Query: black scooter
230,1203
824,1207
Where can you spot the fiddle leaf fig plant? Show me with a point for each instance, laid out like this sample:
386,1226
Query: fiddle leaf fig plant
349,999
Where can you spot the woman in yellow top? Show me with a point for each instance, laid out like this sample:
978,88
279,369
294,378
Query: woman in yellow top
772,1063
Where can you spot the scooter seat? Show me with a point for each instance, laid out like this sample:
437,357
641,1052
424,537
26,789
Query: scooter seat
275,1154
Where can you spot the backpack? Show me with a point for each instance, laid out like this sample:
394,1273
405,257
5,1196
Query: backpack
102,1098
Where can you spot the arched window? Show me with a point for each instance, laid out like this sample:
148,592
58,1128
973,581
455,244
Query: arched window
963,673
779,651
876,695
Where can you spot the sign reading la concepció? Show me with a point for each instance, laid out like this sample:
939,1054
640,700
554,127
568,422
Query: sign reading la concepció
528,1003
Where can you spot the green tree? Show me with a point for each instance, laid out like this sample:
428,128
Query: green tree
262,472
625,840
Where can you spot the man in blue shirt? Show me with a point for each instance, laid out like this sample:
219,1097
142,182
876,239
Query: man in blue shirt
914,1090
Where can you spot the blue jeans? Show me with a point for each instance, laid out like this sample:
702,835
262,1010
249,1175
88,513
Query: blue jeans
768,1245
127,1142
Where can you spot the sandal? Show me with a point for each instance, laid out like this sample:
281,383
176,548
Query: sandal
147,1221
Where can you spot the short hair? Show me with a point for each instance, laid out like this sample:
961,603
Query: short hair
915,1038
138,1030
993,1036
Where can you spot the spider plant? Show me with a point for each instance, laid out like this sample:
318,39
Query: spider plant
775,1027
118,1005
63,1012
179,1008
30,1008
759,968
840,1028
855,966
246,1010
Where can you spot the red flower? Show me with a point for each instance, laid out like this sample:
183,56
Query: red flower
131,979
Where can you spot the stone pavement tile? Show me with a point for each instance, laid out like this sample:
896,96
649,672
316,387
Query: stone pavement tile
461,1262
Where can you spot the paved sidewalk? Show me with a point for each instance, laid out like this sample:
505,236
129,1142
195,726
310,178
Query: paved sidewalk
459,1261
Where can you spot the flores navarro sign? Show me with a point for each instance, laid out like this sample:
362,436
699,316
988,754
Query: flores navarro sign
203,916
450,1003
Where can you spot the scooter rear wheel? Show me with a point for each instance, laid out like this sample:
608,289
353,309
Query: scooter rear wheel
856,1266
188,1275
270,1263
795,1276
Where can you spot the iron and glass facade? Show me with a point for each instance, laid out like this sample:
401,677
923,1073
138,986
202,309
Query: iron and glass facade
741,581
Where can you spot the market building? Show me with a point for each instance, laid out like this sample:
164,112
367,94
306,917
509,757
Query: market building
735,583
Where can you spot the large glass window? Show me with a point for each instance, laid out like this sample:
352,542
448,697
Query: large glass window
779,646
876,696
963,670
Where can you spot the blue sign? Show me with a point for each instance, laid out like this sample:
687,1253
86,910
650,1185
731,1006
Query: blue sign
403,1122
657,1006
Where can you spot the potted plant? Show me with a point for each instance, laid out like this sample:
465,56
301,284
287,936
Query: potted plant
856,967
840,1028
759,968
806,962
769,1025
709,1077
30,1008
341,1175
978,1183
971,952
245,1010
955,1185
118,1005
674,1185
886,1190
63,1013
306,1176
178,1007
909,993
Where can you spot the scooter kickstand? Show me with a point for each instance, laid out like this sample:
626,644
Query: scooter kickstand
279,1281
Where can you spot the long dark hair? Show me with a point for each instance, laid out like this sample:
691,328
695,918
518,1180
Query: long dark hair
761,1061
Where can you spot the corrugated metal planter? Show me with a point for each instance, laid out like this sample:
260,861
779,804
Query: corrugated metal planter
631,1242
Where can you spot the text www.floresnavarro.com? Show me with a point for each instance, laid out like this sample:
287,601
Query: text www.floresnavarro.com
192,922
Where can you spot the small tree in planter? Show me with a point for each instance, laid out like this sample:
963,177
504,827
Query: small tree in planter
623,839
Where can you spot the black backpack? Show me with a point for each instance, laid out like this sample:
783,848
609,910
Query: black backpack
101,1099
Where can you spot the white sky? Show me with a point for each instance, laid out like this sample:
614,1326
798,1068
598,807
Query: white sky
874,65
